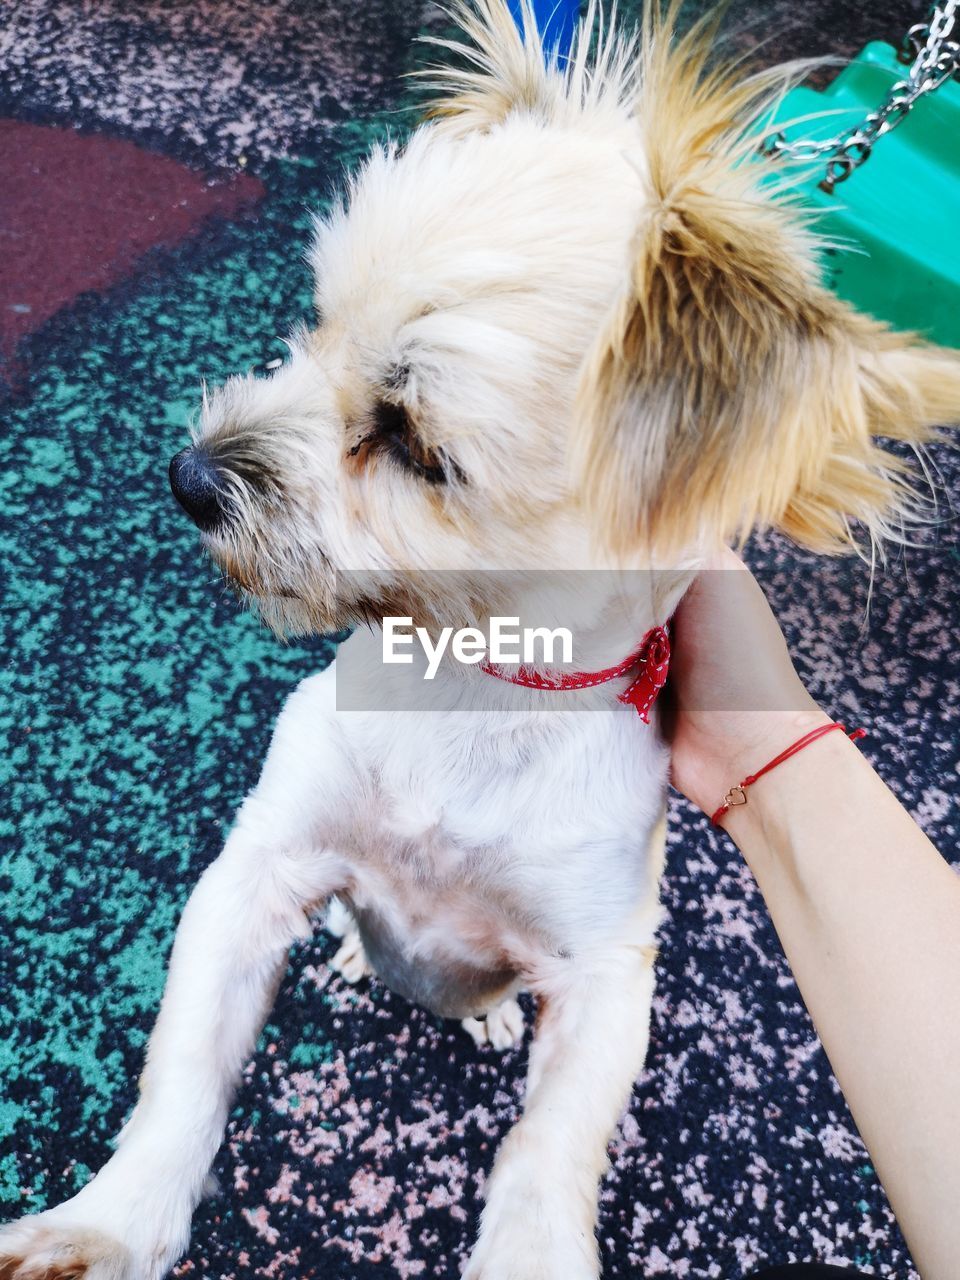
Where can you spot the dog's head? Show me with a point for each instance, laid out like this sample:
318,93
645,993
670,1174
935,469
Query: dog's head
568,324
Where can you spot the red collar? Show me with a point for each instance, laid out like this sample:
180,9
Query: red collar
653,659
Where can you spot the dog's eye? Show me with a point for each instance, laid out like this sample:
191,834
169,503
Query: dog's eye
393,429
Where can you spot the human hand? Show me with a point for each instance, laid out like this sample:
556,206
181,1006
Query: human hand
737,699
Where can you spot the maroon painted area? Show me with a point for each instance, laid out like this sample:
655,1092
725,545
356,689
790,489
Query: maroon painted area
77,210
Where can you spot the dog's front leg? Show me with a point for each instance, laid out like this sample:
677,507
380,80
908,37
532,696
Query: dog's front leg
540,1217
132,1221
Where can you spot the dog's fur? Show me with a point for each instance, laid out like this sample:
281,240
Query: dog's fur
565,326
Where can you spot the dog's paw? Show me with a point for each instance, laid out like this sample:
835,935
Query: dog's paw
110,1230
44,1248
338,919
502,1027
516,1251
539,1223
505,1025
350,960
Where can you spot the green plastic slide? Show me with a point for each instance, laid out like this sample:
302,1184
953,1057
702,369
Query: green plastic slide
899,213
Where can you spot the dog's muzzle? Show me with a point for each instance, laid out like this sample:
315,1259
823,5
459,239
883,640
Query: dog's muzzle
197,484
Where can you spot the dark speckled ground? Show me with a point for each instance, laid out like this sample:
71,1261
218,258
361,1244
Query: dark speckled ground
136,703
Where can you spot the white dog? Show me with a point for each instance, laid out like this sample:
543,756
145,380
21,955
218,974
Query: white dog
563,327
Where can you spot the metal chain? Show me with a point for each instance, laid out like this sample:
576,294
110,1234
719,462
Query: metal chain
934,47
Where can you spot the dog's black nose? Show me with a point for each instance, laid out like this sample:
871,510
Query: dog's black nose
197,485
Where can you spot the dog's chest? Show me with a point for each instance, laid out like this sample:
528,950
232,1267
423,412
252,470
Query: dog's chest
476,852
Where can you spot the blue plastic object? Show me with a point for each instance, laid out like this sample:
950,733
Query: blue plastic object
556,21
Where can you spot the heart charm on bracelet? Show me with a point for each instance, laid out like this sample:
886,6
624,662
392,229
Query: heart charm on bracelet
738,794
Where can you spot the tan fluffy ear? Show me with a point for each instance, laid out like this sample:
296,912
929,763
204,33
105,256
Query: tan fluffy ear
728,390
884,386
726,396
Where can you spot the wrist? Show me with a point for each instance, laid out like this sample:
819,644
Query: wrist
789,786
743,742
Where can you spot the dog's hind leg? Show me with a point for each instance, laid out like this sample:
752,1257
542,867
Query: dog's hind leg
132,1221
591,1038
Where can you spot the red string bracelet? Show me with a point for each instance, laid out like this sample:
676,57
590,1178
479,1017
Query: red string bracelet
737,795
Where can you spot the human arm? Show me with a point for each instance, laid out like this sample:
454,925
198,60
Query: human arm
867,910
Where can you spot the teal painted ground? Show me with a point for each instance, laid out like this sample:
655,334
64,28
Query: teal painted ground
133,706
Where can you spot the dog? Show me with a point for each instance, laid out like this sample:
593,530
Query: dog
570,324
